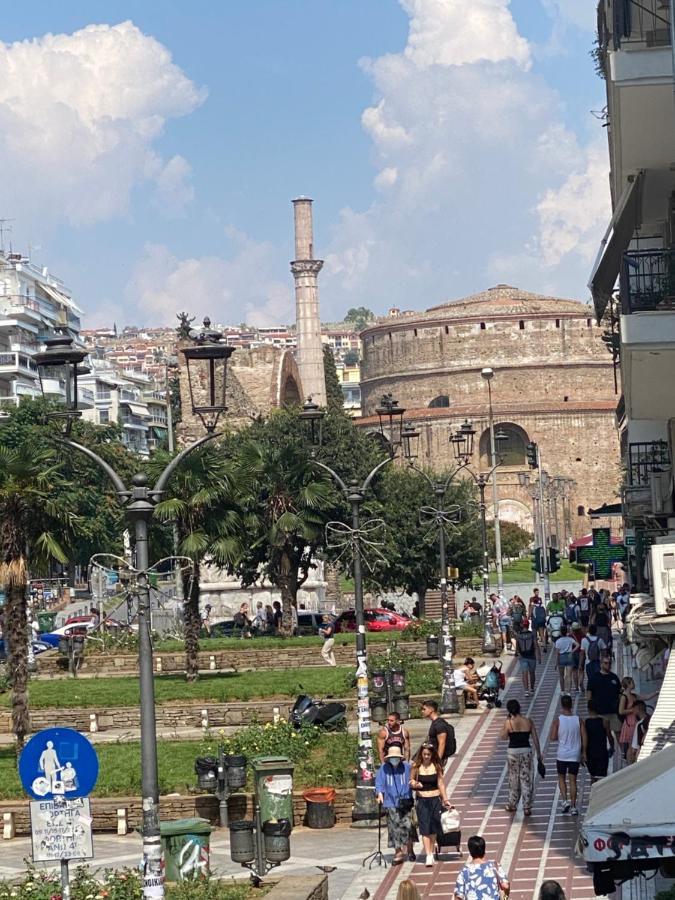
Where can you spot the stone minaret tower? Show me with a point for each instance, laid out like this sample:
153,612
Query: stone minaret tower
305,270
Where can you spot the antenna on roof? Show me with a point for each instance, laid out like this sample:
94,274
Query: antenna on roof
4,229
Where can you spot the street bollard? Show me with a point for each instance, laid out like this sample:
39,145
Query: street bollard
8,826
158,665
212,663
205,718
122,822
93,723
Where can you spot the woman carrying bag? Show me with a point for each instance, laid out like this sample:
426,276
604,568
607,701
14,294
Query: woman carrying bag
392,784
427,780
519,730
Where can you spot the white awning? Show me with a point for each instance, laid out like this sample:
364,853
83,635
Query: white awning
625,220
136,408
631,814
60,298
661,731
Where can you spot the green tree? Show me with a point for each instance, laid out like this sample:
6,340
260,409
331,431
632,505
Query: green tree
334,396
359,317
514,539
411,548
351,358
208,526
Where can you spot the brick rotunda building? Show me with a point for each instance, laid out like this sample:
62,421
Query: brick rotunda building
553,383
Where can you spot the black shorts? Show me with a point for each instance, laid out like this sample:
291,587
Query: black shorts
429,815
564,767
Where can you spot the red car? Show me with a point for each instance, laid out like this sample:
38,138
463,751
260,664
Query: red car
375,620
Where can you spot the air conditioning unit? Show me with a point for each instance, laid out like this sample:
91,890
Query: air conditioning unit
660,486
663,578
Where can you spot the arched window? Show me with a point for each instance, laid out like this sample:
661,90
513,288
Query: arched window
290,394
512,450
440,402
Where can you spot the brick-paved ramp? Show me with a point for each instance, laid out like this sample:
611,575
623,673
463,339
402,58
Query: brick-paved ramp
532,849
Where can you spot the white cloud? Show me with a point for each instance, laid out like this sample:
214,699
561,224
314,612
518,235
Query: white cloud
244,287
581,13
476,173
79,114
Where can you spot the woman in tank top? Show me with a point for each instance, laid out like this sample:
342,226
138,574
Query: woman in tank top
426,778
520,730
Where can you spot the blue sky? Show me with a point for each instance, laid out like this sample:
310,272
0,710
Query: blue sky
151,150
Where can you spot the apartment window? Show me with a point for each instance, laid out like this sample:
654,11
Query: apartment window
104,417
521,325
482,326
557,323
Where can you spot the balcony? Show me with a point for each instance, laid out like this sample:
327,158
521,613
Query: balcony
633,25
648,491
645,458
648,281
17,362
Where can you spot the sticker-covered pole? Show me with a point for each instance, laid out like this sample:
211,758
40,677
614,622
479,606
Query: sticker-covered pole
65,880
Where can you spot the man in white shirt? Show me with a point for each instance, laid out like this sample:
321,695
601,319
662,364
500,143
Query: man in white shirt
565,647
592,648
569,732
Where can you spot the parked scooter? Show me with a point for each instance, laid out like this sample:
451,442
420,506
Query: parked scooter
330,715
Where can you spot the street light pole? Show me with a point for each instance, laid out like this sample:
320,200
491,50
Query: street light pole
482,484
488,374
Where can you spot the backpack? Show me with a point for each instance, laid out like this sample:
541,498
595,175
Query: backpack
517,614
593,652
450,742
571,613
525,641
539,615
584,604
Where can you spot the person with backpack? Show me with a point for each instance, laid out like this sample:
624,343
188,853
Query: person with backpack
529,654
441,733
592,648
572,610
538,619
517,612
584,602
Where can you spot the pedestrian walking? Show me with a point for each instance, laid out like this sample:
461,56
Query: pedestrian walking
626,711
584,608
518,613
481,878
604,689
603,624
538,619
551,890
529,654
394,792
519,730
426,780
277,616
640,732
441,733
592,649
242,622
570,734
393,734
599,743
565,647
327,631
576,631
502,619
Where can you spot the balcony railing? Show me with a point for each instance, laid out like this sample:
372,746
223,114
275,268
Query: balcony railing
631,22
648,281
17,361
644,458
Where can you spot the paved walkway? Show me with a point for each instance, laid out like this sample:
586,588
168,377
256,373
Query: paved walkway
531,850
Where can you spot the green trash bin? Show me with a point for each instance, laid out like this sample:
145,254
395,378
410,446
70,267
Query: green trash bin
273,779
46,621
186,844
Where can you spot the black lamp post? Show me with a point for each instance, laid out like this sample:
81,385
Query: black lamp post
364,811
440,517
462,444
207,373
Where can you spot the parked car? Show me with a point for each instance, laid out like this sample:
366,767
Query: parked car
309,622
375,620
219,629
39,646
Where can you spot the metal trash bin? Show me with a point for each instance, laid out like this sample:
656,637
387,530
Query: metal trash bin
277,840
402,706
242,846
320,807
186,844
273,780
433,646
378,709
206,770
235,767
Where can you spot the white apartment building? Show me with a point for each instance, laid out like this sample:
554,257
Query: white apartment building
33,304
130,400
633,287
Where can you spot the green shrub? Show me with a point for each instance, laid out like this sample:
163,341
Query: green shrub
270,739
420,629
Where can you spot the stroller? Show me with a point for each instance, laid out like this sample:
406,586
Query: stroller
493,682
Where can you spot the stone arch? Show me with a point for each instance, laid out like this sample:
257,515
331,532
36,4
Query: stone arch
513,450
290,393
515,511
287,385
440,402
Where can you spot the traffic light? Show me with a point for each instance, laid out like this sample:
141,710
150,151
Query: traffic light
533,455
536,561
553,559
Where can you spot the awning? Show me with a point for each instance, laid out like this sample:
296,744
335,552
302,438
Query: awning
607,509
631,814
60,298
625,220
585,541
136,408
661,731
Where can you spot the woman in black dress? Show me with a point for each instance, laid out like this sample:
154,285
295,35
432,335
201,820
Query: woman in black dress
598,737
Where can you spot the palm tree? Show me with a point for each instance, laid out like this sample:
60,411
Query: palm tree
29,510
284,514
208,527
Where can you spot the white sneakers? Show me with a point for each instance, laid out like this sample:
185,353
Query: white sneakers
565,808
574,811
430,859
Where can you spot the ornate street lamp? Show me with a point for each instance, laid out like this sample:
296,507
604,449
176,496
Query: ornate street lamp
410,443
312,417
207,367
390,415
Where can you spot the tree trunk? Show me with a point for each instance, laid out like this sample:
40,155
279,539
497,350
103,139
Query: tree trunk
287,582
192,621
16,619
421,599
332,574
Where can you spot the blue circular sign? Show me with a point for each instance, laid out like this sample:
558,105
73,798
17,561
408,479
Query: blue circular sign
58,762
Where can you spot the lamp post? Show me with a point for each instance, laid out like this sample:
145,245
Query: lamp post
207,372
462,443
365,810
487,375
441,517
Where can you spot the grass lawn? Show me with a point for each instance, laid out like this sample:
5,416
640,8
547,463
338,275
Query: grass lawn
209,645
264,684
521,572
120,767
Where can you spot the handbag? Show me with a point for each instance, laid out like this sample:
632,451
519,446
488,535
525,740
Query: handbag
541,768
450,820
405,805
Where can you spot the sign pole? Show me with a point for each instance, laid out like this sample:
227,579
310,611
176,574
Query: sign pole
65,880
